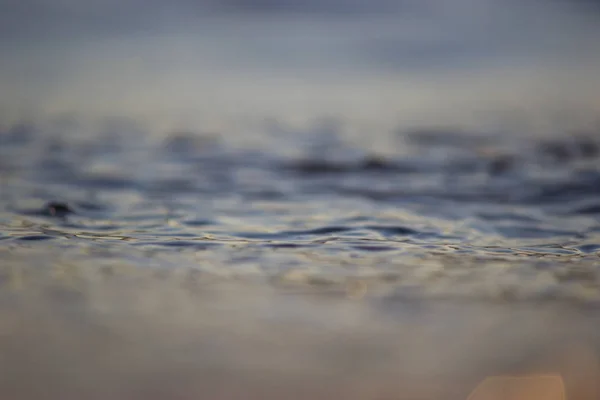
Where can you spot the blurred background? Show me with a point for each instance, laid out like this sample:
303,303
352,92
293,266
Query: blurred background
228,64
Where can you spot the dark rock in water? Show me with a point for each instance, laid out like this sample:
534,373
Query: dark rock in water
58,209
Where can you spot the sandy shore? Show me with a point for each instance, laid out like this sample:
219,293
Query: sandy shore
124,338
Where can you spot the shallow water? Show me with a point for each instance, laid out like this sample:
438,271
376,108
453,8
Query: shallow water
442,214
303,265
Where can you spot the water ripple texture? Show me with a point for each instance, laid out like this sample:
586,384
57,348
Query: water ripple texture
444,214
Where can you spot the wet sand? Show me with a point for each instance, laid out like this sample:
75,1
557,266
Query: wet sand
154,338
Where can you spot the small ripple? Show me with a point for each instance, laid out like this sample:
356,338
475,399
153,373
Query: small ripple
579,185
187,244
368,164
534,232
105,182
543,250
173,185
507,216
91,206
194,223
374,248
287,245
326,230
588,248
593,209
393,230
35,238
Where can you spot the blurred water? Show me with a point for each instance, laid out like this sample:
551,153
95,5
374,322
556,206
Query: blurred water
445,213
248,199
229,64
